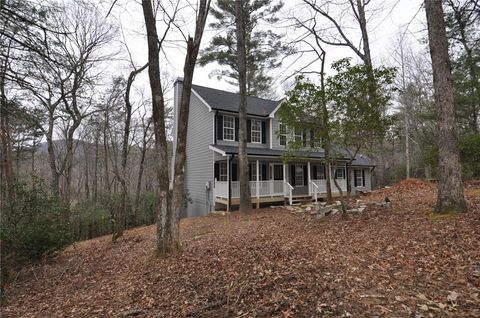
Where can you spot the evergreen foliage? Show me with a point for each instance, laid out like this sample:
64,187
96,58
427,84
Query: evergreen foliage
264,48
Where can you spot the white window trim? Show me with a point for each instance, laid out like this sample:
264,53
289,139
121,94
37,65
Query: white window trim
359,174
343,173
222,165
303,177
259,131
322,169
282,134
229,128
296,134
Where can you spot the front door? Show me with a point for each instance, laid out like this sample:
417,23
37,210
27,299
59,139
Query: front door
276,171
299,178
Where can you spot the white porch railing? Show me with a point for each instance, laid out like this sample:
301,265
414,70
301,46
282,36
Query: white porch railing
289,192
314,189
266,188
321,185
220,189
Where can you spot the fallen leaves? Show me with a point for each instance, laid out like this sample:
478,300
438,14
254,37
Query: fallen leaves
381,262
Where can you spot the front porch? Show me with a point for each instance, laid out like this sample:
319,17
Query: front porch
272,181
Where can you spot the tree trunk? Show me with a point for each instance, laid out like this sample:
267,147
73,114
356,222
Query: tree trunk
55,175
95,172
7,170
141,168
165,244
450,195
326,128
87,172
193,46
106,186
7,176
69,162
245,195
362,20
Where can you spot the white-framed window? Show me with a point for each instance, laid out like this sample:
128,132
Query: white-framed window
298,135
229,128
253,171
320,169
358,178
277,173
340,173
299,181
222,171
256,131
283,135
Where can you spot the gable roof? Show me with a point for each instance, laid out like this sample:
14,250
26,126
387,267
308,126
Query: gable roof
228,101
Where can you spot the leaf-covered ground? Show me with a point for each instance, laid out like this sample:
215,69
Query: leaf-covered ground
397,262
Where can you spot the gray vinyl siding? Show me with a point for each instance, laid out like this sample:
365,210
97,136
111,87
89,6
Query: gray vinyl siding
275,129
368,179
199,162
276,137
249,144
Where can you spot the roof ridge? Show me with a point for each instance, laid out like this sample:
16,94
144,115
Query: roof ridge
224,91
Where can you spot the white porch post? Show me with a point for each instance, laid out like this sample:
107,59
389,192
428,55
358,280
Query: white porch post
258,184
308,178
332,186
284,178
228,184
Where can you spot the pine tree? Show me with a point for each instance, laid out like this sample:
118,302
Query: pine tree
263,47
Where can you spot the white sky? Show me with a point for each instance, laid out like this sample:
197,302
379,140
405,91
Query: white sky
390,19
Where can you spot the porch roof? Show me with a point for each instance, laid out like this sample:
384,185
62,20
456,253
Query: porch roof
360,160
267,152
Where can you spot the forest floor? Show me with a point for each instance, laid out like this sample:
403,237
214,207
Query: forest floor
397,262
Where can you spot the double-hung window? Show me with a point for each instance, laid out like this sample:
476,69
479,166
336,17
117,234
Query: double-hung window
283,135
256,131
320,170
222,171
340,173
358,178
298,135
229,128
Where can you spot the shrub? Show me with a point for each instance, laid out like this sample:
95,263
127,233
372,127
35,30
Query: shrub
34,224
469,155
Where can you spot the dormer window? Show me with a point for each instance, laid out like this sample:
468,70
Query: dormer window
229,128
256,131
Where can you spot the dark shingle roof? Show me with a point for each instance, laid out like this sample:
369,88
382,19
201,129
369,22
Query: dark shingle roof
362,160
222,100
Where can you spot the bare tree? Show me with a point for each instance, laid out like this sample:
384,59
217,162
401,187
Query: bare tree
165,240
143,146
311,37
245,195
63,81
450,195
193,46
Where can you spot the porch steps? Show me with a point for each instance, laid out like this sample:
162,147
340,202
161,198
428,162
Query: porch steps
299,200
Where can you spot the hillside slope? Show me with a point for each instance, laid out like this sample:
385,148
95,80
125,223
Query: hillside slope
390,262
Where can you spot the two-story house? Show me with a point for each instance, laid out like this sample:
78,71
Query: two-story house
211,170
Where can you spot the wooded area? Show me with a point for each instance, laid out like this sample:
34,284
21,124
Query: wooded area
88,147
